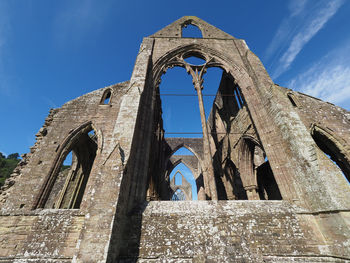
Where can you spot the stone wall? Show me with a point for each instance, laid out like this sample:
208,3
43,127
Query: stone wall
46,236
224,231
29,232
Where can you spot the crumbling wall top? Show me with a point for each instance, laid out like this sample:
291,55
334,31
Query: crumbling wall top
175,29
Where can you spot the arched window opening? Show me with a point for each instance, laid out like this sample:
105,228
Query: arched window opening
229,100
93,135
67,163
178,179
68,182
187,101
191,31
267,185
106,98
183,178
180,109
291,100
256,173
332,151
211,84
178,196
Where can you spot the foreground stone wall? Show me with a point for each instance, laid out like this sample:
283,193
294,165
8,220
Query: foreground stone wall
224,231
46,236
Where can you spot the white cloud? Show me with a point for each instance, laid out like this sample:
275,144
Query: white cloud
286,29
296,7
304,36
328,78
295,31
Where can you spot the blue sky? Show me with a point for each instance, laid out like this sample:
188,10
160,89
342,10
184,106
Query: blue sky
54,51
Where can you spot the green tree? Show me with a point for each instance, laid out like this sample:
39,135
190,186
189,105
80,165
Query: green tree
7,165
13,156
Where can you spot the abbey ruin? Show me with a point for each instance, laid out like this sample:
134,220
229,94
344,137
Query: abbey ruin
272,169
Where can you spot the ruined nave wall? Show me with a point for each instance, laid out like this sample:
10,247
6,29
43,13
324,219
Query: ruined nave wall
54,235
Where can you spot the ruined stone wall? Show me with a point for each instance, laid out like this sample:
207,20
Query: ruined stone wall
51,234
324,114
114,222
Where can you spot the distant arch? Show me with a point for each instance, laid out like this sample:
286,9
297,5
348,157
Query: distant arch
168,172
185,186
183,145
179,146
175,195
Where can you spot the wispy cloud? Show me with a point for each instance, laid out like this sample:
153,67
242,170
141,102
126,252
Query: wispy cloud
296,7
328,78
287,29
80,18
297,30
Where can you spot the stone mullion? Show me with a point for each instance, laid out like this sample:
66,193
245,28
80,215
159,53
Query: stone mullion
247,174
208,173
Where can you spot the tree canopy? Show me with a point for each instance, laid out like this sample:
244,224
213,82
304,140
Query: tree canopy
7,165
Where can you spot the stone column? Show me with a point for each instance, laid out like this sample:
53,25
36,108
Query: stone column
208,170
252,192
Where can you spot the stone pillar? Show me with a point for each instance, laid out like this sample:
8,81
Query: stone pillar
208,173
201,194
252,192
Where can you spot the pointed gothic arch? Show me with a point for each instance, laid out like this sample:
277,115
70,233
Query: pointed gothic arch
106,97
182,145
179,161
179,195
66,189
244,94
293,99
196,28
256,173
332,146
185,187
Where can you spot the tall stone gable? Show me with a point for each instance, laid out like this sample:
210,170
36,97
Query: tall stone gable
272,169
